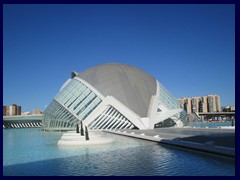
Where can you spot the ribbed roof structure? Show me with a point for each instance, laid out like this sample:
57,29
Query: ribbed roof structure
131,86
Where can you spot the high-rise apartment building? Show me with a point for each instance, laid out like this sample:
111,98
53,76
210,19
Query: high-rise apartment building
12,110
210,103
195,104
19,110
218,104
204,105
186,104
214,103
5,110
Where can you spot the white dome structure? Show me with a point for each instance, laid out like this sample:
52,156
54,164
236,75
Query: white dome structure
113,96
131,86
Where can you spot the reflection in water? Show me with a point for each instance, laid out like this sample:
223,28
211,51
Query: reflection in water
36,153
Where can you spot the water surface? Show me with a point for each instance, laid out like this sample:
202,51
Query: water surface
31,152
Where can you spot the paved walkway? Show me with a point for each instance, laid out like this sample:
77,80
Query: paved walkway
212,140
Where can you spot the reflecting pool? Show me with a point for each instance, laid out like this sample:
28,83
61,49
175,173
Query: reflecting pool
31,152
211,124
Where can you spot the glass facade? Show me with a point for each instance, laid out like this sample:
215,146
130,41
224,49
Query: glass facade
111,118
73,103
56,116
167,99
171,103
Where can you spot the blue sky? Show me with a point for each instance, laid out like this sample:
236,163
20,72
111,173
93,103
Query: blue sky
190,49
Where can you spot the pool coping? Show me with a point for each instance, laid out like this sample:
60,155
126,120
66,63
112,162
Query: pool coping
204,147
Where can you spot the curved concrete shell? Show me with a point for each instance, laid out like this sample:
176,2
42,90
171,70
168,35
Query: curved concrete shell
131,86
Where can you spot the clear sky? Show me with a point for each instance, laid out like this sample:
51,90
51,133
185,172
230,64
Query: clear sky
190,49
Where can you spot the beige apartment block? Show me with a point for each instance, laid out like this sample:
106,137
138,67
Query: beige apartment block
204,104
209,103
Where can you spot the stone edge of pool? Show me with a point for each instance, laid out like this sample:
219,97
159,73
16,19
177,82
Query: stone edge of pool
176,141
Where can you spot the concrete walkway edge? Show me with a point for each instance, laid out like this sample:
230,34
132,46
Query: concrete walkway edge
219,150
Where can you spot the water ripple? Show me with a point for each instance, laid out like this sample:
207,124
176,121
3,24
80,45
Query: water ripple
125,157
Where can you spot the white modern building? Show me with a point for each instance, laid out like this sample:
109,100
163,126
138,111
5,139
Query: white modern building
113,96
